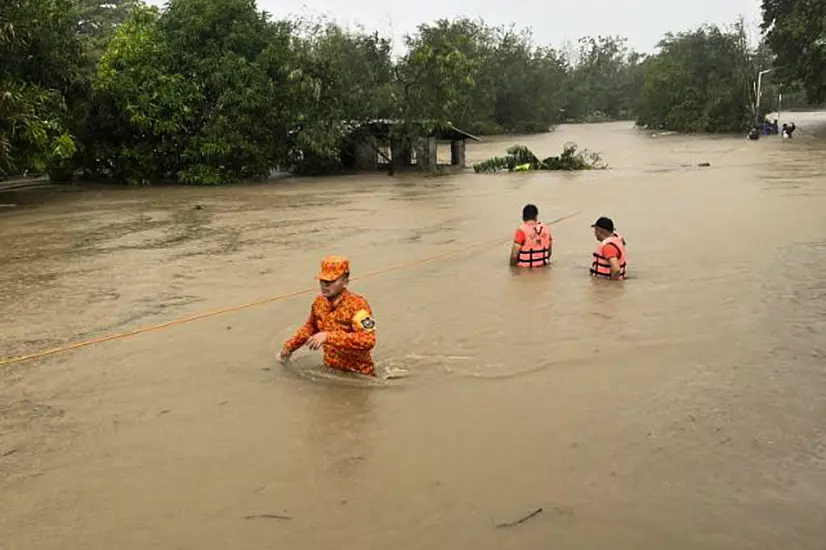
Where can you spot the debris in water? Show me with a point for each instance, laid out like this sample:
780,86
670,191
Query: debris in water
9,452
704,164
521,520
522,159
267,516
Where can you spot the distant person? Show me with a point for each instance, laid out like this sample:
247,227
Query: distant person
788,130
340,321
754,133
532,243
610,257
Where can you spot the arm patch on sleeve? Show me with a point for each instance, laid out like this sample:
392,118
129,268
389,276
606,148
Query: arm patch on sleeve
364,321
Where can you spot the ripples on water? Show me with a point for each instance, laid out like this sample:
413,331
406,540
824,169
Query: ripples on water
681,408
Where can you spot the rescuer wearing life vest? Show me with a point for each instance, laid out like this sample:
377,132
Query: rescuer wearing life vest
341,321
532,243
609,257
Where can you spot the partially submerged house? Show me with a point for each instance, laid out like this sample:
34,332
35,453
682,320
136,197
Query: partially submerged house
381,145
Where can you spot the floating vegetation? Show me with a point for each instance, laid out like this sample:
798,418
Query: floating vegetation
522,159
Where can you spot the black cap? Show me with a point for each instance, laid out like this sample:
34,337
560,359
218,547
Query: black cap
604,223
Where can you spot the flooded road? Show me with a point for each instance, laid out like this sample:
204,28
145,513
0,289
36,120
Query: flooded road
681,409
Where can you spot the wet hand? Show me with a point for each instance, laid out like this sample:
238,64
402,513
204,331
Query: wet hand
284,356
317,340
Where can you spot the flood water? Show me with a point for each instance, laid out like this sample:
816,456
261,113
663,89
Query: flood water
683,408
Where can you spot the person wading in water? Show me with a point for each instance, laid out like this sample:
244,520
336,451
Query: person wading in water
610,256
532,242
340,321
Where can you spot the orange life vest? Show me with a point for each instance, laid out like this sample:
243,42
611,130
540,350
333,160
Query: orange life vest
600,266
536,250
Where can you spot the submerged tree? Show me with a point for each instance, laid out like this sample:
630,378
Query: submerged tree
204,92
603,80
796,32
214,91
40,61
700,81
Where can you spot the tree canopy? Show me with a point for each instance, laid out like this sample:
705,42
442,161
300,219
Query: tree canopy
213,91
700,81
41,57
796,33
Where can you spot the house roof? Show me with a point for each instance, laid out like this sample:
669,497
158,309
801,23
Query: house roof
381,127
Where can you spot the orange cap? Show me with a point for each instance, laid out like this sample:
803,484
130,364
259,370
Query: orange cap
333,267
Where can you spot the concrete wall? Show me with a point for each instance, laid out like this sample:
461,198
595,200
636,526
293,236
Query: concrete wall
427,155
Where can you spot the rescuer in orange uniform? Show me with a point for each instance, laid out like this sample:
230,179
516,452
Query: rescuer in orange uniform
532,243
341,321
610,256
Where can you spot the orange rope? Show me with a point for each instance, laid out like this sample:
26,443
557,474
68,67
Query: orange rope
222,311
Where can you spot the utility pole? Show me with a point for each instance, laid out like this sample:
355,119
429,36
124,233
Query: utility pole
758,91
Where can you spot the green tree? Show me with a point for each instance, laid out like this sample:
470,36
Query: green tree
98,19
796,32
352,78
40,66
604,79
496,78
433,83
528,84
700,81
212,91
203,92
355,70
436,79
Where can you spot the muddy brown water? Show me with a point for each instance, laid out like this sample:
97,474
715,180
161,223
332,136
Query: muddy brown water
683,408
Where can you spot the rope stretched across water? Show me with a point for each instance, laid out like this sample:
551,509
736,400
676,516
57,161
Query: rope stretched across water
231,309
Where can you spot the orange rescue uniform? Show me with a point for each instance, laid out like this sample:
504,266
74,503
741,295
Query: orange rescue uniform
351,332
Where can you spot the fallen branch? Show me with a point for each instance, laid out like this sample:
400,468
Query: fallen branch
521,520
522,159
267,516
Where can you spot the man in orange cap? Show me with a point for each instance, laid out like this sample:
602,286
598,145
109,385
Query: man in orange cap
341,321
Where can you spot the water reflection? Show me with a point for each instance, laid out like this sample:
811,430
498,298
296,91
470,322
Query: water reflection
607,298
694,390
339,421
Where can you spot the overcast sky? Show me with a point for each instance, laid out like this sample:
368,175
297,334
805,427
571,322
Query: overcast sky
553,22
